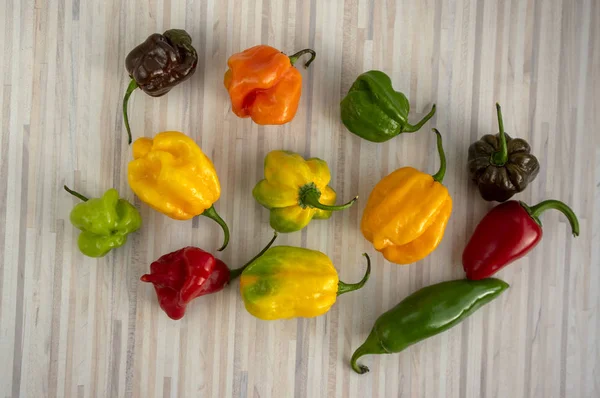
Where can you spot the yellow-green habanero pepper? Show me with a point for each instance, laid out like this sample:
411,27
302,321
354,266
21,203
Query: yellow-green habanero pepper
104,222
296,191
287,282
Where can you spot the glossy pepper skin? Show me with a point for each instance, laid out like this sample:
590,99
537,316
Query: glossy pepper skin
501,166
407,212
183,275
288,282
373,110
296,191
508,232
172,175
104,222
159,64
425,313
264,84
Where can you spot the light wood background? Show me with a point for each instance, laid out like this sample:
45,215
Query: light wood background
72,326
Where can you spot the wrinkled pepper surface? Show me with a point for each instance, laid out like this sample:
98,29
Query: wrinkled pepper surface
188,273
288,282
104,222
296,191
172,175
407,212
501,166
373,110
425,313
159,64
264,84
508,232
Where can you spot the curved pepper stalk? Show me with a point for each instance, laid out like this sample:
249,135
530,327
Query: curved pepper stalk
309,195
439,176
213,215
350,287
535,211
234,273
294,57
130,89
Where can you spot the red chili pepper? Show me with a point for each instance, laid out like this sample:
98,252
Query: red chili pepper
508,232
181,276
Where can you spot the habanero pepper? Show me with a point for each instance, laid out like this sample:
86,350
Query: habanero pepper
425,313
508,232
172,175
264,84
296,191
373,110
104,222
159,64
501,166
288,282
188,273
407,212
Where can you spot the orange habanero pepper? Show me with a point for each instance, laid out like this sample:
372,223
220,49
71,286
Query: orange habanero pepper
264,84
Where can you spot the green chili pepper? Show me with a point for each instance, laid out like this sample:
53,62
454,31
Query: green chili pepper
425,313
105,222
376,112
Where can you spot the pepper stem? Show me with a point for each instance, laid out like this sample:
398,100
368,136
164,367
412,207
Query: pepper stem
535,211
294,57
75,193
349,287
500,157
409,128
439,176
213,215
234,273
372,345
309,196
130,89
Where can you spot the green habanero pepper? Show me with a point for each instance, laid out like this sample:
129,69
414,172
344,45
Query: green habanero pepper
105,222
425,313
373,110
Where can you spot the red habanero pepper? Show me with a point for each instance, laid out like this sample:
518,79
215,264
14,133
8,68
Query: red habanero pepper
181,276
508,232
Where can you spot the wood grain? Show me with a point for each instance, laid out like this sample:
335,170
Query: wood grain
72,326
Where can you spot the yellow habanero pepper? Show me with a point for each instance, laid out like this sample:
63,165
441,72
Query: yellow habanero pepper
172,175
287,282
296,191
407,212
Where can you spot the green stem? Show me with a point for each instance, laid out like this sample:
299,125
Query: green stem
75,193
294,57
310,198
234,273
439,176
535,211
409,128
500,157
349,287
130,89
213,215
372,345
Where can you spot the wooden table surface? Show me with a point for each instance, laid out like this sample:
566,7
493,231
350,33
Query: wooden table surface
72,326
